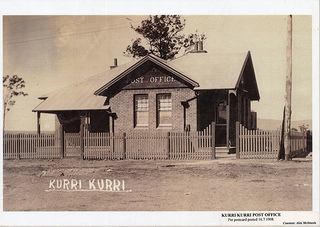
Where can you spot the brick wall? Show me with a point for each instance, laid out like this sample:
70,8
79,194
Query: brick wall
123,105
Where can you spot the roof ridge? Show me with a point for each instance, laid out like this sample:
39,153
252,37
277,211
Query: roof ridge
149,57
112,69
85,79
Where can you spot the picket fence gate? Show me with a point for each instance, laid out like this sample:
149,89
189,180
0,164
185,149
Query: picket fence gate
113,146
263,144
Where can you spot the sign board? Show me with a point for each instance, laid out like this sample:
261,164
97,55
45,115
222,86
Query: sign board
154,78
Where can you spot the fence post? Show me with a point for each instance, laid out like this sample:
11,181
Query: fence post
61,141
38,123
237,140
19,145
168,146
82,137
112,139
303,140
124,146
213,140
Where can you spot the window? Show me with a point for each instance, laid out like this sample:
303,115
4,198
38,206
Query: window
164,110
141,108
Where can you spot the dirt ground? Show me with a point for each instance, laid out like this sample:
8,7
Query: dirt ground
224,184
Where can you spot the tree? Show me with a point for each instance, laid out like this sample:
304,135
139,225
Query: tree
11,87
304,127
162,34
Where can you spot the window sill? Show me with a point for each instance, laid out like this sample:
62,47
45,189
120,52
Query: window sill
164,127
142,127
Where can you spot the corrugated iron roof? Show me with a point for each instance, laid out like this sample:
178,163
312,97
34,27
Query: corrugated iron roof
80,96
202,70
212,71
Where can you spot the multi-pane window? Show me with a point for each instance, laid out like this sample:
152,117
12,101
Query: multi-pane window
141,108
164,110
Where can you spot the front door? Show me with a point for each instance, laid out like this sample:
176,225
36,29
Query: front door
221,135
221,123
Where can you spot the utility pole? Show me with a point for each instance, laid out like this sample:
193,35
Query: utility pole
287,123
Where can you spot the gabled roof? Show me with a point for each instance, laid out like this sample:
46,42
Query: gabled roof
212,71
201,71
219,71
152,58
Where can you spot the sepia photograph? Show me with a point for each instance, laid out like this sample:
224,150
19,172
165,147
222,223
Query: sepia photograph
160,113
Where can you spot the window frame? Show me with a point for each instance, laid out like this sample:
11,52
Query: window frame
136,110
158,98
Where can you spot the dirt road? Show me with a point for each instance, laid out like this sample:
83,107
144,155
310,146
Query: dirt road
224,184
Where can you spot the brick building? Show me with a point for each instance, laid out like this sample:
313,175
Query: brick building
187,93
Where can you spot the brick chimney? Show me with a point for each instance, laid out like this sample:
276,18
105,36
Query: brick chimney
115,63
198,48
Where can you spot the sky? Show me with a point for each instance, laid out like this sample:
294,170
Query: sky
50,52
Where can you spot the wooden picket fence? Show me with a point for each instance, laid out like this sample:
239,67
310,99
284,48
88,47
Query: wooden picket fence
30,145
170,145
71,144
113,146
146,145
298,142
103,146
262,144
193,145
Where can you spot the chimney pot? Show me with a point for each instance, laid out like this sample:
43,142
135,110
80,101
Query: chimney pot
200,48
115,63
196,46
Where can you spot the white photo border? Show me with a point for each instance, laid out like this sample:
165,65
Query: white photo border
183,7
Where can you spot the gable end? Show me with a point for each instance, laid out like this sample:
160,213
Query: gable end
139,67
247,79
